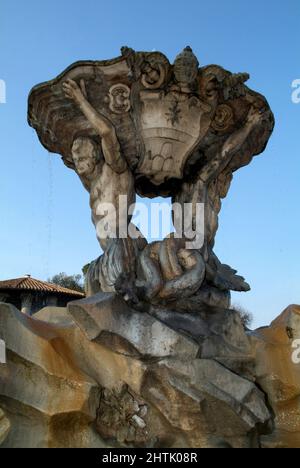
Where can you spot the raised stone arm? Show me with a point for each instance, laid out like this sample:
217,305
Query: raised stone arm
102,125
231,146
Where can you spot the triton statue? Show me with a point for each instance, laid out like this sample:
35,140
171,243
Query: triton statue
138,124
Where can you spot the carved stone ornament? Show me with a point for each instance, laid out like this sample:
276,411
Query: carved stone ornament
223,118
119,98
154,71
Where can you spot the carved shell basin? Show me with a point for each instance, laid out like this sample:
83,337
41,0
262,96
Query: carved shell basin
165,115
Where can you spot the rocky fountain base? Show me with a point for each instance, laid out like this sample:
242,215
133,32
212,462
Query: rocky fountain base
100,374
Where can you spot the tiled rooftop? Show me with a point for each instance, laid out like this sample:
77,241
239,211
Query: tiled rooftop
30,284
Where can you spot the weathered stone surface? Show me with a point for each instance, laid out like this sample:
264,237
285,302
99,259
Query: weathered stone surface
278,374
54,315
64,385
67,388
196,397
219,333
48,399
4,426
124,417
107,319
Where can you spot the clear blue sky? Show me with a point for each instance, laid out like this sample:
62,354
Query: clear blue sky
45,217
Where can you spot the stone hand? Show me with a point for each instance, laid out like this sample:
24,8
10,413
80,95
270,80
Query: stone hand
254,116
72,91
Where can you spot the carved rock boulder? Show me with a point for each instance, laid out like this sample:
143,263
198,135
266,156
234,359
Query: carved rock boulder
278,375
80,378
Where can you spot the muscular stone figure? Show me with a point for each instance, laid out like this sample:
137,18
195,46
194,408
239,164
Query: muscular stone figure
106,176
212,184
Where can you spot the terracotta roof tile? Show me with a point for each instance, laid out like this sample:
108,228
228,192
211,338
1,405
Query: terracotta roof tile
30,284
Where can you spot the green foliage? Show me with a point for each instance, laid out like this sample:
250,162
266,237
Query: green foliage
246,316
85,269
74,282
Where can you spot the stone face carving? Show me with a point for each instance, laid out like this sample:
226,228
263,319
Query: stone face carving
138,124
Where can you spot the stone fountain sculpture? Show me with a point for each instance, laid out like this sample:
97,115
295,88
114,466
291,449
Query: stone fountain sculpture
154,356
138,124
